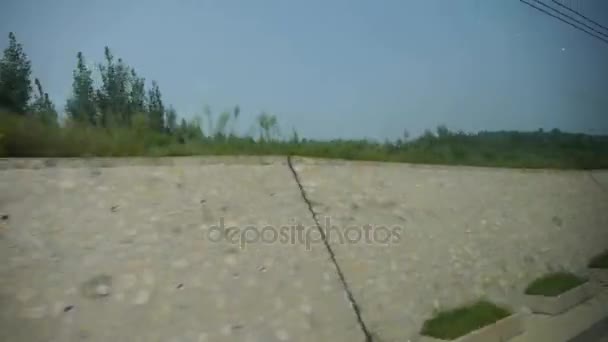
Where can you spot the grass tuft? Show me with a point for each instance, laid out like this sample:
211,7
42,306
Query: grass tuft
599,261
554,284
451,324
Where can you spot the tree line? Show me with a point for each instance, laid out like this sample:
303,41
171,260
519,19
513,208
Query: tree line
120,115
121,99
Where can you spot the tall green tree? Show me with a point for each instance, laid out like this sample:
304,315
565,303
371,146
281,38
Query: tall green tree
235,116
137,95
171,120
222,123
209,114
81,105
42,107
269,128
15,71
156,108
113,97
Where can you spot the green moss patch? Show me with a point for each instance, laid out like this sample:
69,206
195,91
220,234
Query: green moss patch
451,324
554,284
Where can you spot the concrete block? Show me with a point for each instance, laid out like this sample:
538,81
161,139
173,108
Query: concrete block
561,303
501,331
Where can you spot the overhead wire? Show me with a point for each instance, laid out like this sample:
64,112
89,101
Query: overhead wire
579,14
564,20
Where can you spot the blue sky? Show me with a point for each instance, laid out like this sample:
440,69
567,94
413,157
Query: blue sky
337,68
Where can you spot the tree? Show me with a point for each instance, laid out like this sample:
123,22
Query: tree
236,112
220,126
137,95
295,138
81,106
113,97
406,135
171,120
42,107
156,108
443,131
268,126
209,115
15,71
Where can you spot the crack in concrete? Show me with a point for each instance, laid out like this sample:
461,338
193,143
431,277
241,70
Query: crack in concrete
351,298
600,185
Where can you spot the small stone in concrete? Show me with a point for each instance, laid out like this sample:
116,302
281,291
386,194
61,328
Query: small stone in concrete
26,294
305,308
557,221
119,296
128,280
282,335
230,260
179,264
142,297
36,312
226,330
220,302
98,286
102,290
148,277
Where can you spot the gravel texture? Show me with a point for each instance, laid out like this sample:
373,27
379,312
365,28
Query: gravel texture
466,233
125,249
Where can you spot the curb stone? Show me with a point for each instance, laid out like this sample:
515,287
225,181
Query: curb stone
561,303
502,330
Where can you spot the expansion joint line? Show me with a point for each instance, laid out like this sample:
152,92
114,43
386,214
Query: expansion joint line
351,298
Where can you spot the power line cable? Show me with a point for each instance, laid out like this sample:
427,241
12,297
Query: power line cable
572,18
562,19
580,14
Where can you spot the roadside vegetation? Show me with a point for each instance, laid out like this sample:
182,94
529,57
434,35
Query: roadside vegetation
451,324
120,116
554,284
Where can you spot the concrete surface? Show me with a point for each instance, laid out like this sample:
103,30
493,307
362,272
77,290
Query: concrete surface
145,230
466,233
126,249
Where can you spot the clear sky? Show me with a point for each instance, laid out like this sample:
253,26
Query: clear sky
336,68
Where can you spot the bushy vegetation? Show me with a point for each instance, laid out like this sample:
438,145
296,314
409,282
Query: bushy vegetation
120,117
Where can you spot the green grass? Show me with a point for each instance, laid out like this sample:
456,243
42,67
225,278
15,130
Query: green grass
554,284
451,324
599,261
26,137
